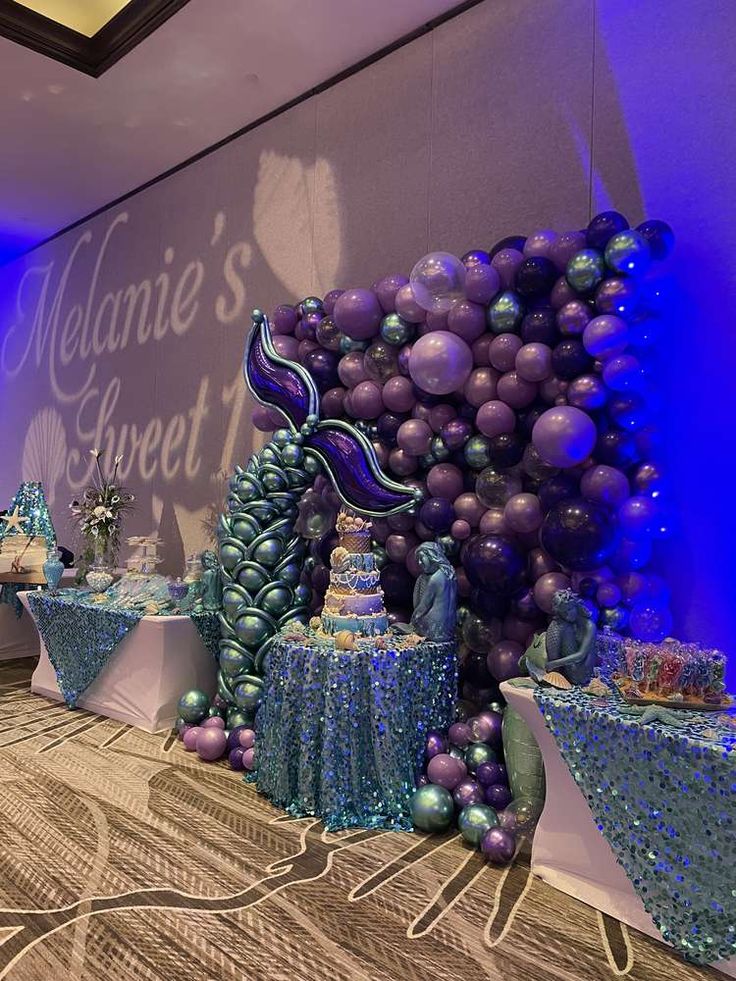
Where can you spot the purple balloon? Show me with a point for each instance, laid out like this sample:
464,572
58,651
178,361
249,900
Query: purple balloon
482,282
441,414
322,366
573,317
618,296
455,433
564,436
534,362
366,400
637,516
445,480
564,248
503,660
498,845
606,336
623,373
491,773
460,734
515,390
587,392
398,394
545,588
469,508
358,313
491,722
436,744
562,293
506,263
213,722
386,290
605,485
414,437
351,369
328,304
190,738
284,319
480,386
466,319
440,362
235,758
497,796
523,513
467,792
211,743
332,402
407,306
286,346
437,514
446,771
495,417
503,350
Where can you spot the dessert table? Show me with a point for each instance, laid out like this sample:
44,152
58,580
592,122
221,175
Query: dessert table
570,852
144,676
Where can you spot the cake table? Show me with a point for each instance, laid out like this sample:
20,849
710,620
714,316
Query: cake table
341,733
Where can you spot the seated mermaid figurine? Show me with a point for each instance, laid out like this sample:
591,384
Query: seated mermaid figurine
568,645
435,595
211,588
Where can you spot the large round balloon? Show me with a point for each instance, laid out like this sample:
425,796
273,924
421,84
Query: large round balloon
495,563
437,281
564,436
432,808
579,534
440,362
358,313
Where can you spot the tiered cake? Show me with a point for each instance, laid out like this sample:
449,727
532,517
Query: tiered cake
354,598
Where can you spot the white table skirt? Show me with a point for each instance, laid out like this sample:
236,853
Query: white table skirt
569,852
18,635
160,658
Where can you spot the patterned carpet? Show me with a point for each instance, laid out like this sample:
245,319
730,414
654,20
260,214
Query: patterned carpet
124,858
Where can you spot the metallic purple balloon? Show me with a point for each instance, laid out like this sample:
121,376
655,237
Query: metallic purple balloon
284,319
446,771
573,317
534,362
482,282
211,744
605,485
545,588
460,734
466,319
618,296
605,336
358,313
491,722
587,392
351,369
456,433
506,263
467,792
277,385
498,845
564,436
503,660
480,386
386,290
436,744
490,773
498,796
407,306
503,350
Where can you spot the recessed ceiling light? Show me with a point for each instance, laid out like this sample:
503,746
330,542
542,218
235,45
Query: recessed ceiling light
83,16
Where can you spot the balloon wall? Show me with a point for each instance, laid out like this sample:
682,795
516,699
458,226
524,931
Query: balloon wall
512,387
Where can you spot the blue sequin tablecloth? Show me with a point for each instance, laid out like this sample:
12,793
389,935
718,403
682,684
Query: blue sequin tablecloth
664,798
81,635
341,733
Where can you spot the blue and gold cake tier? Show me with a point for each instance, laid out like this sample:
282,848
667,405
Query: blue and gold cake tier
341,732
354,598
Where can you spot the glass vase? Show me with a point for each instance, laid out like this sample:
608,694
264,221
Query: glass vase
53,569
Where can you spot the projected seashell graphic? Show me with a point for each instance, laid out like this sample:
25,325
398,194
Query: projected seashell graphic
288,193
45,451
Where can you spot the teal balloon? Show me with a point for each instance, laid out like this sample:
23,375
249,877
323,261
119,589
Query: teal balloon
251,629
233,663
252,578
628,253
293,456
276,599
236,717
245,529
474,821
312,304
585,270
230,555
193,705
432,808
247,696
395,330
457,753
505,313
268,552
477,452
312,465
269,455
180,723
215,713
478,753
281,438
438,451
290,572
274,482
246,487
347,344
379,556
302,594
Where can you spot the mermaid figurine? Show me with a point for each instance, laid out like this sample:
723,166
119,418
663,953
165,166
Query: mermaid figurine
435,595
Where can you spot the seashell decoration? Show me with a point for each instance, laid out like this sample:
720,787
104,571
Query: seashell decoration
597,688
345,640
45,451
556,680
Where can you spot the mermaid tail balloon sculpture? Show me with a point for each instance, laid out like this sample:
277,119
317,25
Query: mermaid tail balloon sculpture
261,556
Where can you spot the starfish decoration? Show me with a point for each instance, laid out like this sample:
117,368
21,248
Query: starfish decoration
654,713
14,520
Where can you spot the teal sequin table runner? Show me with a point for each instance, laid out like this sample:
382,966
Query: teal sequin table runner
81,636
341,733
664,798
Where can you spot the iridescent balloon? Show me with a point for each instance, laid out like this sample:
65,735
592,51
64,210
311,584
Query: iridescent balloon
193,705
494,489
628,253
474,821
467,792
381,361
505,313
437,281
585,270
498,845
432,808
476,452
618,296
478,753
396,331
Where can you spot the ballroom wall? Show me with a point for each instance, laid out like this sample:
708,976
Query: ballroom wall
126,333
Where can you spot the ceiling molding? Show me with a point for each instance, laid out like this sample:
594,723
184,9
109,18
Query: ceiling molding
90,55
